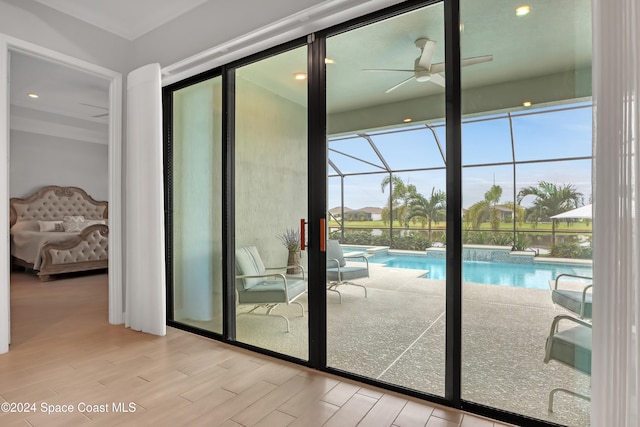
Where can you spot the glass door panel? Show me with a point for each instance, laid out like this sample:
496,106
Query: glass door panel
527,134
387,201
197,205
270,201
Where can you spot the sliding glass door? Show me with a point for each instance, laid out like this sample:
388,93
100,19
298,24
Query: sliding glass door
270,201
527,158
196,204
436,203
387,168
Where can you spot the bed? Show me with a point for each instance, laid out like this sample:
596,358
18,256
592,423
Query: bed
59,230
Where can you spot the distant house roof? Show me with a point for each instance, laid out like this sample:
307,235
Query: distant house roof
338,210
371,209
504,209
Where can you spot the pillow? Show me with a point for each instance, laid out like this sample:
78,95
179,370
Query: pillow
77,226
50,225
71,226
72,218
28,225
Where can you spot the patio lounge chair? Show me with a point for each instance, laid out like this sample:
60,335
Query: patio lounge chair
339,273
571,347
576,300
256,286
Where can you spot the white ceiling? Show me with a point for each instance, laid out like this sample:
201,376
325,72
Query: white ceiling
70,103
126,18
554,38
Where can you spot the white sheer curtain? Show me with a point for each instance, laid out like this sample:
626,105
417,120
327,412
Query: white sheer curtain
616,240
144,228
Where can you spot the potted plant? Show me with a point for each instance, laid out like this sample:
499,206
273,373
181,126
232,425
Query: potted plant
291,240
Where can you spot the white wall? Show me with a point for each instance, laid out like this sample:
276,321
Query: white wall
40,160
35,23
209,25
271,169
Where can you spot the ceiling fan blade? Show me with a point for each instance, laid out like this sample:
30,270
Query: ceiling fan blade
100,115
385,69
476,60
427,54
439,67
437,79
399,84
94,106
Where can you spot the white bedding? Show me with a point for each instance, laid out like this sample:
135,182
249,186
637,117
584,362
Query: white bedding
27,242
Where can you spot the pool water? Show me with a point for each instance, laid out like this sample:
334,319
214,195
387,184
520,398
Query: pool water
535,275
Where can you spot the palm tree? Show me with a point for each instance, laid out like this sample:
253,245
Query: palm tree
431,208
486,209
550,200
399,198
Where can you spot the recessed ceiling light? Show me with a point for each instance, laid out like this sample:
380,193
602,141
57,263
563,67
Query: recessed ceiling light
32,95
407,120
300,76
527,103
461,27
523,10
329,61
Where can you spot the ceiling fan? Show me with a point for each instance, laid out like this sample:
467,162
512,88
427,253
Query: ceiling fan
97,106
424,71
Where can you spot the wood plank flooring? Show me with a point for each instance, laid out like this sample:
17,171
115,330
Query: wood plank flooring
66,359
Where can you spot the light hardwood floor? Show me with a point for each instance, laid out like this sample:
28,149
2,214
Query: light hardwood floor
65,355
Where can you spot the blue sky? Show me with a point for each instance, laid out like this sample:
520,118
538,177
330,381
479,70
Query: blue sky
553,134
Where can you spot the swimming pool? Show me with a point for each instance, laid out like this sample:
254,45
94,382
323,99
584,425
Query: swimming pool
535,276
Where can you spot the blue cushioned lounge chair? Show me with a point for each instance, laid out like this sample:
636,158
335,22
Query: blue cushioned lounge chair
570,346
575,300
339,273
257,286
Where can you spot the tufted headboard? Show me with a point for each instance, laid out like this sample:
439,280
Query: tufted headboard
54,203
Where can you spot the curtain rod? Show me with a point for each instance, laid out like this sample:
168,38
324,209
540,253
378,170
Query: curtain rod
298,24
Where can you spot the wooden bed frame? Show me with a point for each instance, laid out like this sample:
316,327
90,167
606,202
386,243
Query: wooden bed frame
83,252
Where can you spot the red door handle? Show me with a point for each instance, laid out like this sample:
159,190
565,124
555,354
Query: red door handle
323,237
302,239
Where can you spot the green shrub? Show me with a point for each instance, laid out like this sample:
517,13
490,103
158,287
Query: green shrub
571,250
522,242
501,239
475,237
414,241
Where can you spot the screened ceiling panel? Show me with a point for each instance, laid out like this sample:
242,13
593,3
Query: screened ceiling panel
354,154
412,149
553,135
486,142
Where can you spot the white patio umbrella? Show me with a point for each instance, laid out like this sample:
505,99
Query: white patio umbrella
583,212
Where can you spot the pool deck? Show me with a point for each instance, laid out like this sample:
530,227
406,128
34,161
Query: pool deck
397,335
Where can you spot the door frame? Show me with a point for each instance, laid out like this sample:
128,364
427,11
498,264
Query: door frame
10,44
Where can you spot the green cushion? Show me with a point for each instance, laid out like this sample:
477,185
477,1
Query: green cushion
572,347
572,300
248,263
272,291
347,273
334,251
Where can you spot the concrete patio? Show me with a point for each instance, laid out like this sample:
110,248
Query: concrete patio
397,335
